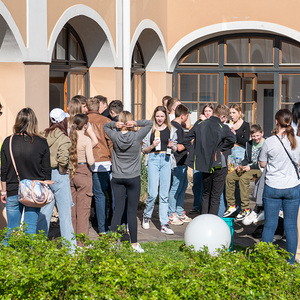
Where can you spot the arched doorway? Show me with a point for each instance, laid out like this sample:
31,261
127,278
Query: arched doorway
261,72
68,69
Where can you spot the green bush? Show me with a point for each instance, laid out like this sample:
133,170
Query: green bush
34,268
144,179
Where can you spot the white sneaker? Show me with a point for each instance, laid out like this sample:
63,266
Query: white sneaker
166,229
250,219
146,222
184,218
260,218
174,220
137,248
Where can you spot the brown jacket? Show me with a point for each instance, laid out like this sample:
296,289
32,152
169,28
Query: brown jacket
103,150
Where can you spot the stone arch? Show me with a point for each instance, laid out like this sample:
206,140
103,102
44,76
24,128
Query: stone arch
12,47
93,32
207,32
152,44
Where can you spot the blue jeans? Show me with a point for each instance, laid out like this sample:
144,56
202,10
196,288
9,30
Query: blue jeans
14,210
177,191
273,200
100,187
222,207
63,200
197,189
159,174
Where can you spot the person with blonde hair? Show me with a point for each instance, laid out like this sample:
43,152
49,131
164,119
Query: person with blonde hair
32,157
161,138
280,155
81,156
126,169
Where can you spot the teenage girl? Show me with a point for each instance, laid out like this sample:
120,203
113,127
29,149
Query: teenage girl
75,107
156,143
241,129
81,156
126,170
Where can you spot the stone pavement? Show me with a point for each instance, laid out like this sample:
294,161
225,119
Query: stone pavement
242,234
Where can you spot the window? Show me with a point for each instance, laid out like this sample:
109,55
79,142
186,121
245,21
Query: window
249,51
207,54
196,90
138,83
290,92
290,53
68,69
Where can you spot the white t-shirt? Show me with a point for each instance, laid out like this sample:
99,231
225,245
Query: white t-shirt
280,173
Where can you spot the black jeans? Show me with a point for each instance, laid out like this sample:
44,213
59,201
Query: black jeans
132,188
213,185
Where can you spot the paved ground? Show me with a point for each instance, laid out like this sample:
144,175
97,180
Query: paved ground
242,234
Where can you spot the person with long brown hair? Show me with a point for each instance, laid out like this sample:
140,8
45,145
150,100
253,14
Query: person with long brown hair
280,155
32,157
81,156
59,143
155,144
75,107
126,170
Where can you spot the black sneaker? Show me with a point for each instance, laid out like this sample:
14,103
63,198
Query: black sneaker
194,211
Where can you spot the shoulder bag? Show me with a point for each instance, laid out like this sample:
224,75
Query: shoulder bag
32,193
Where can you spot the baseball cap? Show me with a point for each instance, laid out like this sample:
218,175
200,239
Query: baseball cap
57,115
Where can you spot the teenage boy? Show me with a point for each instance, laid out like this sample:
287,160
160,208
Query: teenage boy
102,167
115,107
103,106
244,173
171,106
164,101
177,214
211,139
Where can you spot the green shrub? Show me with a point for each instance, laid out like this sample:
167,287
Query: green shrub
34,268
144,179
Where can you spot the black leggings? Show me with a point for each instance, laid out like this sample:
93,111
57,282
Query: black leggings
132,188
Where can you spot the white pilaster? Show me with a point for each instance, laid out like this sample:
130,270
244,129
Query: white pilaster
36,31
126,56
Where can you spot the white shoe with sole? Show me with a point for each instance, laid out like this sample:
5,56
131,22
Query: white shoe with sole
137,248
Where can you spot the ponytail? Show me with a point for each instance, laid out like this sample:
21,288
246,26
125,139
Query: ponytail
73,150
291,136
284,119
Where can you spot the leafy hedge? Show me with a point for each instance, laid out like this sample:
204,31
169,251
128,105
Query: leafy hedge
34,268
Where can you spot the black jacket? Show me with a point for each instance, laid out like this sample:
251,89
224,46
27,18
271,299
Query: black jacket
248,156
211,137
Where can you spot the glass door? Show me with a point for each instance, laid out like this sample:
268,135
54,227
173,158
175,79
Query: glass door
241,89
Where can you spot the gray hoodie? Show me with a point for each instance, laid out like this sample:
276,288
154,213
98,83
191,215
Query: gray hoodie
126,157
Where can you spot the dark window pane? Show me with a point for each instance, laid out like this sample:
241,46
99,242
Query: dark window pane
290,92
208,88
192,57
208,53
188,87
290,53
237,50
233,89
61,45
261,51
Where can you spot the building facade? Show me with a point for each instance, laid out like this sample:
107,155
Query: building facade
140,50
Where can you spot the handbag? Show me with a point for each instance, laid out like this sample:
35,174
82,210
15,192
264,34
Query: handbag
296,166
32,193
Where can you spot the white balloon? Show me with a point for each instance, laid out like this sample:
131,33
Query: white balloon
207,230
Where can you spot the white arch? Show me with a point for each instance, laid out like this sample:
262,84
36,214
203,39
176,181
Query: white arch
225,28
12,56
159,59
82,10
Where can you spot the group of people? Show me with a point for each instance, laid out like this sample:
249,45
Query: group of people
94,150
